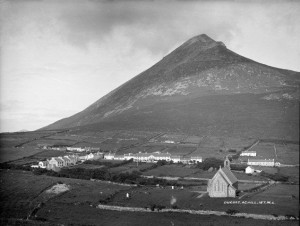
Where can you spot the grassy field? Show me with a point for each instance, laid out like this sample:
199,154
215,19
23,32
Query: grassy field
21,191
291,172
11,153
172,171
187,199
288,153
86,215
131,166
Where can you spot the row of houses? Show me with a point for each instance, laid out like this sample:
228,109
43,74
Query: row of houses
67,160
262,162
154,157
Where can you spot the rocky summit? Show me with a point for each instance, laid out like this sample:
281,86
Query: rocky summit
200,88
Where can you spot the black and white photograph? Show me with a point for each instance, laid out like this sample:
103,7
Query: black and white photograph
149,113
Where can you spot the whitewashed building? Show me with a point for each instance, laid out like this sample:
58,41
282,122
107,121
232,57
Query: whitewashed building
196,158
248,153
249,170
261,162
175,158
129,156
43,164
119,157
109,156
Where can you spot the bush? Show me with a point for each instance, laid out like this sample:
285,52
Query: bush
276,176
152,207
210,162
239,167
232,211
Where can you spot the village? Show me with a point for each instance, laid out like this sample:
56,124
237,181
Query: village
95,154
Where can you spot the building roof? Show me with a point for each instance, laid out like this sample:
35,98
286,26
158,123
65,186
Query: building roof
260,160
249,167
58,159
176,156
141,155
65,159
248,151
119,156
161,155
185,158
229,175
194,157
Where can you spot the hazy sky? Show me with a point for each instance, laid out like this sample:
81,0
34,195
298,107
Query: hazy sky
58,57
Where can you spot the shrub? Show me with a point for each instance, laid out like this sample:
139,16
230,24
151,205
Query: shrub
232,211
210,162
152,207
276,176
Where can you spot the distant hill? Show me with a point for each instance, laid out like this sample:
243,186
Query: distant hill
200,88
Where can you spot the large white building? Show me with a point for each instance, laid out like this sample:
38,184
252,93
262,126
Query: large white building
248,153
261,162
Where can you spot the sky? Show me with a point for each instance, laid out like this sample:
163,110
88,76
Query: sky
59,57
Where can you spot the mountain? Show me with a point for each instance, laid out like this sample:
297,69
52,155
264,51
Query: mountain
200,88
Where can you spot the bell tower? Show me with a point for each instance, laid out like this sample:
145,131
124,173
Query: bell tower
227,163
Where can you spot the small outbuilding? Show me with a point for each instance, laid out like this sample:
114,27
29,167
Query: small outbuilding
249,170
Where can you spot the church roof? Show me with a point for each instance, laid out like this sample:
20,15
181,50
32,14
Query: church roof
229,175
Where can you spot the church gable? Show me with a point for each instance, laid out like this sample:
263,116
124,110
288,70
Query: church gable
223,183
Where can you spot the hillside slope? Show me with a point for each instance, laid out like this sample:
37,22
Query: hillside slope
201,86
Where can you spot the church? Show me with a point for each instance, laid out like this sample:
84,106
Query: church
224,183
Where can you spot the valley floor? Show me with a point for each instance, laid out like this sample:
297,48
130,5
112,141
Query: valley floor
25,201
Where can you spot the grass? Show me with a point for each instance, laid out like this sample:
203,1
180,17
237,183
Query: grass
21,191
11,153
291,172
187,199
288,153
85,215
130,167
173,170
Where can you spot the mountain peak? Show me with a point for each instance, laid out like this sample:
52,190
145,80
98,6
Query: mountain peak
204,41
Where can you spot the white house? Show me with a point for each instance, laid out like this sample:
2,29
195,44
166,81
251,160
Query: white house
119,157
129,156
169,142
109,156
56,162
248,153
66,161
196,158
185,160
261,162
143,157
43,164
90,156
79,149
73,158
175,158
249,170
162,156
